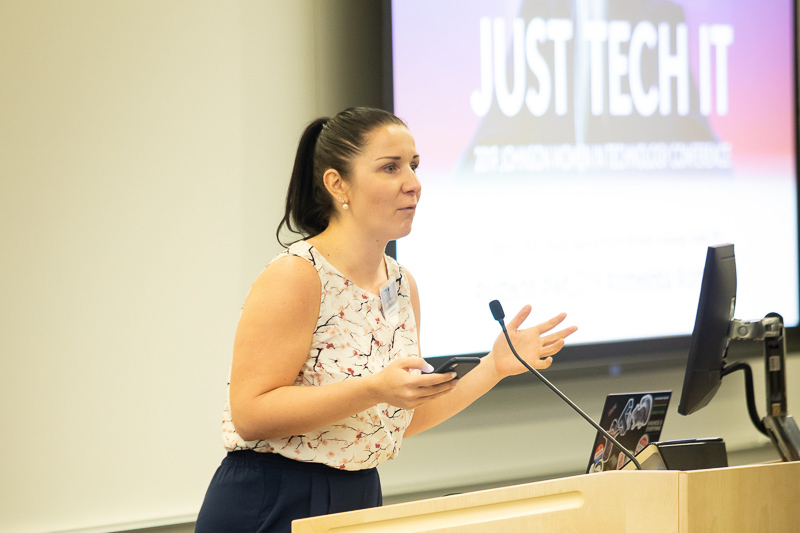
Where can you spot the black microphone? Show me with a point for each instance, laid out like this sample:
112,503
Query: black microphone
499,315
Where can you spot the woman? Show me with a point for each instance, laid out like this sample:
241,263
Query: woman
327,377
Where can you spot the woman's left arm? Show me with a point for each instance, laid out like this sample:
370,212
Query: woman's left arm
536,345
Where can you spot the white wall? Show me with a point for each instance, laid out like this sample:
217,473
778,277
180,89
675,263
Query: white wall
145,147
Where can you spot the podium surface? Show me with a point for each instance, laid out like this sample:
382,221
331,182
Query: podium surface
756,498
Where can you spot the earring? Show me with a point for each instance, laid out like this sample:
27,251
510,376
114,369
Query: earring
344,204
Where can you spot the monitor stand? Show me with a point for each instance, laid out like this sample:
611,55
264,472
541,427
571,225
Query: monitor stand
778,425
785,435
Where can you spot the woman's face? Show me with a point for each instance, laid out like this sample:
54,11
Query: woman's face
384,190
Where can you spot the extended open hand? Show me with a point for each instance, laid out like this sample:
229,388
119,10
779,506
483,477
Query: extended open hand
533,344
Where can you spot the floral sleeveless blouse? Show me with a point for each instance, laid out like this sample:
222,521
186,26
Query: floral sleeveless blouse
352,339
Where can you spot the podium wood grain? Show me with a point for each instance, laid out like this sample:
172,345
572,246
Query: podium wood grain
758,498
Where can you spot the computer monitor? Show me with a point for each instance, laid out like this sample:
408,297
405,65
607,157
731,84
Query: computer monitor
711,335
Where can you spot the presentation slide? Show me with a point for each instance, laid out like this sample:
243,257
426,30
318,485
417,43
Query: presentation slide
580,156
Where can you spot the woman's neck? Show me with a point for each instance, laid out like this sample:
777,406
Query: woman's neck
358,257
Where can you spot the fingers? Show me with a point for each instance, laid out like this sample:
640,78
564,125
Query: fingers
428,382
402,385
408,363
552,349
523,314
423,393
550,324
430,392
427,377
517,321
431,380
550,345
536,345
437,395
559,335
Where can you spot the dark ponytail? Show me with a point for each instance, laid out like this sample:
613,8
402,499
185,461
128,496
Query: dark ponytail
327,143
302,193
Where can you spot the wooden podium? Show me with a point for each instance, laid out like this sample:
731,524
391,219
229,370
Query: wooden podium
757,498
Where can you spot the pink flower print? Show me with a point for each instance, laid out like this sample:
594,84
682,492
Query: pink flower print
402,326
341,314
364,296
351,371
329,345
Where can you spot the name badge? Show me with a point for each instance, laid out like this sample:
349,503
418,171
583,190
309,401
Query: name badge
389,303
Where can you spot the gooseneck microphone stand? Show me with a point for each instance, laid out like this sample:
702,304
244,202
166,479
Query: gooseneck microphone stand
499,315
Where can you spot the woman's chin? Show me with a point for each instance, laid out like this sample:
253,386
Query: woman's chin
402,233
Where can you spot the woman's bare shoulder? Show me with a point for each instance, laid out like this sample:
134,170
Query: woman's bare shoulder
290,283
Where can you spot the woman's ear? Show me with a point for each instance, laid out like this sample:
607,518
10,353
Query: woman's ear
336,185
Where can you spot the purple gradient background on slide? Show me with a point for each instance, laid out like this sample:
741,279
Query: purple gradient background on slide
436,68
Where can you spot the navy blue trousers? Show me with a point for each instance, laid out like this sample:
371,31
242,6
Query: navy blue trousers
254,492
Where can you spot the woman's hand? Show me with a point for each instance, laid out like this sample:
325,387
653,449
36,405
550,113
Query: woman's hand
533,344
399,386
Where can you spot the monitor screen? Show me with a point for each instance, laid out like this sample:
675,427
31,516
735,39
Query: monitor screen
582,156
711,333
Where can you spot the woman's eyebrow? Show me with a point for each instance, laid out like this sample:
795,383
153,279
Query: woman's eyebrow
394,157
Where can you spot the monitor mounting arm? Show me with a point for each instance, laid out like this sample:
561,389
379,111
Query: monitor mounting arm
778,425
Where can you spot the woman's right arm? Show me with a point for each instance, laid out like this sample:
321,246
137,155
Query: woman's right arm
272,342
